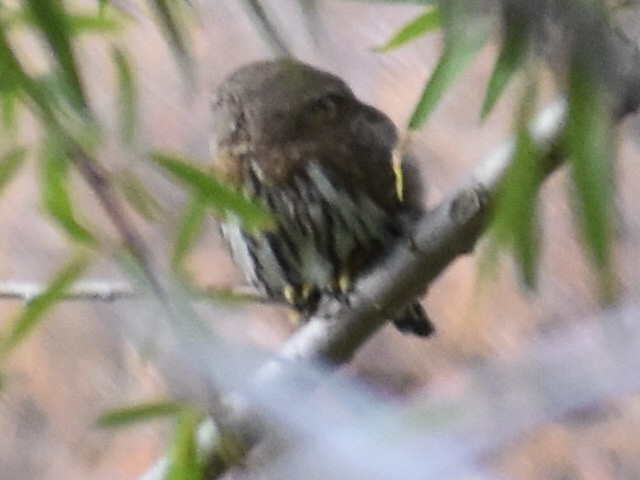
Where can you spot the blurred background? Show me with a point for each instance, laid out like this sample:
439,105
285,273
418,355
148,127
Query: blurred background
82,361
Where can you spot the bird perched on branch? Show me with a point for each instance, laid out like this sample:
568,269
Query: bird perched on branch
296,139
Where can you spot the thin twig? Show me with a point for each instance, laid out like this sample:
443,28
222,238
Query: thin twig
91,290
111,290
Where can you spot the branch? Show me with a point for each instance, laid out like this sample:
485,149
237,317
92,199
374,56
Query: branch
100,290
111,290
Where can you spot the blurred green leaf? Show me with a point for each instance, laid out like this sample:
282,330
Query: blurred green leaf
127,97
137,195
516,216
217,194
54,23
167,12
589,143
515,220
190,229
10,163
464,37
13,76
515,47
100,23
125,417
57,200
35,311
422,25
77,23
271,34
184,463
9,100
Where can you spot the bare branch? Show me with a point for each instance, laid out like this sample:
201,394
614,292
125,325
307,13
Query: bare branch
94,290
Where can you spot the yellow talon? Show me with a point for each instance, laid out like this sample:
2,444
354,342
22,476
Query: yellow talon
344,282
307,290
290,294
396,164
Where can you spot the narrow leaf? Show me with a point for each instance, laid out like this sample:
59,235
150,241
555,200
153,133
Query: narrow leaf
217,194
35,311
458,53
190,229
183,461
100,23
56,194
137,195
515,220
9,98
167,14
422,25
127,97
514,51
124,417
77,23
12,75
10,163
270,33
589,144
55,26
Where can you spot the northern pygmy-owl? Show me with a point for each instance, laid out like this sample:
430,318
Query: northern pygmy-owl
297,139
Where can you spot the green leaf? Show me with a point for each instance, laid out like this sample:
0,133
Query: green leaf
184,463
190,229
13,76
127,97
515,222
463,41
54,23
57,200
100,23
217,194
516,219
124,417
137,195
515,47
422,25
77,23
168,16
270,33
9,98
10,163
35,311
589,143
102,6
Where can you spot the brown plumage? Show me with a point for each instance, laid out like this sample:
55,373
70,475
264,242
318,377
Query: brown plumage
297,139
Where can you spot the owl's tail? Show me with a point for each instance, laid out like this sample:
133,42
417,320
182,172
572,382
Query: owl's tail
413,319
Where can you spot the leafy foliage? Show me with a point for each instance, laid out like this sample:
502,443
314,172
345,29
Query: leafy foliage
35,311
125,417
57,197
589,143
216,193
425,23
515,47
10,163
184,463
465,35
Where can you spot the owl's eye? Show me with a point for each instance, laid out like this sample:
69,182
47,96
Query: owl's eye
327,106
